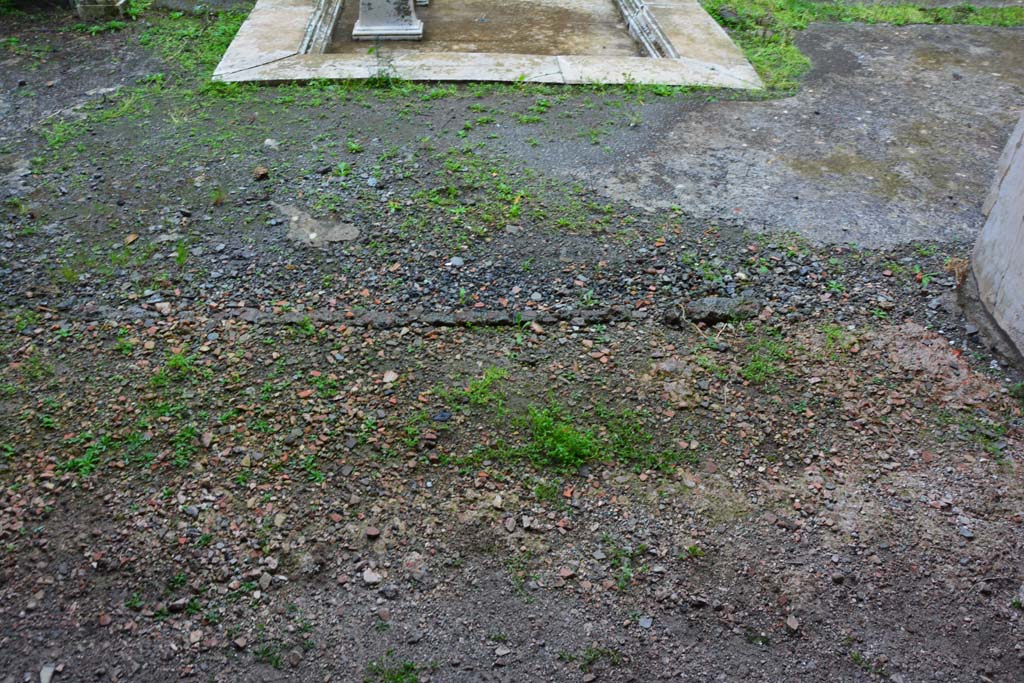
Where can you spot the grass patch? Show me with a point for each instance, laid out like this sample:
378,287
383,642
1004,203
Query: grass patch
193,42
388,670
481,391
591,657
554,440
762,364
85,464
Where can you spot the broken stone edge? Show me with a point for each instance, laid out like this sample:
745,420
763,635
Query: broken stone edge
283,40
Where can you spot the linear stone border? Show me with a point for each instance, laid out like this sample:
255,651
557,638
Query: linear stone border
646,30
282,40
320,26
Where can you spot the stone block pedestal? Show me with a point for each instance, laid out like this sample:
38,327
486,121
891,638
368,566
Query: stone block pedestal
92,10
387,20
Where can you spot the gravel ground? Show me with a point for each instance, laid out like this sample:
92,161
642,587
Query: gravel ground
405,384
892,139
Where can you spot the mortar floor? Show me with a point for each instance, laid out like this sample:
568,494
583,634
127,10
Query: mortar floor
532,27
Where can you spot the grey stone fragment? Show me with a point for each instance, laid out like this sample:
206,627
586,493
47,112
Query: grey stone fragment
308,231
712,310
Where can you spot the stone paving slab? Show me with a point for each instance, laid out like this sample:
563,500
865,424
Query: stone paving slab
268,49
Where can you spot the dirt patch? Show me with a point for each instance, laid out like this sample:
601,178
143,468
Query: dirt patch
464,445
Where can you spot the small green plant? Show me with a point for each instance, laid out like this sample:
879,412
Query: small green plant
591,657
480,392
863,662
133,9
105,27
762,363
24,319
124,345
134,602
313,472
268,653
1017,391
177,581
181,254
389,670
86,464
625,560
305,327
692,552
554,441
837,338
547,491
185,446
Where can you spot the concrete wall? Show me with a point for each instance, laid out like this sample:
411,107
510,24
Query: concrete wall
998,261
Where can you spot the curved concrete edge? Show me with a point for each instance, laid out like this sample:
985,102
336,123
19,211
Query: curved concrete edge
281,39
997,263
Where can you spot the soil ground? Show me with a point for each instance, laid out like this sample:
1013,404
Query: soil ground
330,382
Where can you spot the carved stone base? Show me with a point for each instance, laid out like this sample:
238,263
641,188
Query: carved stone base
387,20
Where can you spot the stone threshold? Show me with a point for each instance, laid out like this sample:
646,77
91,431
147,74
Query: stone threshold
285,40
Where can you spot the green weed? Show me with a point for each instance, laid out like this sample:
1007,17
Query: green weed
389,670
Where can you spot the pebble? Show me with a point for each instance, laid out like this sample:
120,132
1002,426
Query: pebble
371,578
